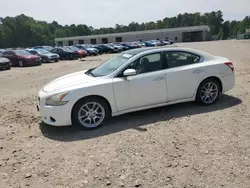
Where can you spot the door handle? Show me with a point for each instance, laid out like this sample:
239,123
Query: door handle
158,79
197,71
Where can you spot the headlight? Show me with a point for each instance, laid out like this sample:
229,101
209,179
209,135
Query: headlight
56,100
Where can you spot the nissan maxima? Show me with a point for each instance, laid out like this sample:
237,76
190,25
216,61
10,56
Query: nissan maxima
135,80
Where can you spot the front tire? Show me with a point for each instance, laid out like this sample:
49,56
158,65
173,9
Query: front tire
90,113
208,92
20,63
44,60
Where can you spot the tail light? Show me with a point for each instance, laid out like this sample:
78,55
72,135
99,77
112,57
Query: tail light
230,65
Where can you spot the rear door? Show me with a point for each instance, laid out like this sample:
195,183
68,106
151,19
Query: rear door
184,73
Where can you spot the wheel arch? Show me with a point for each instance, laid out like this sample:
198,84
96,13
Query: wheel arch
93,96
211,77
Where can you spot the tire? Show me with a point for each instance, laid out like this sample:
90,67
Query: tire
208,92
8,68
44,60
89,117
20,63
56,60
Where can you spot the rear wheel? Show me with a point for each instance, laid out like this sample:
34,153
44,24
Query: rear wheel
90,113
208,92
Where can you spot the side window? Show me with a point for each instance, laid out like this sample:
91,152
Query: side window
33,52
148,63
6,53
177,59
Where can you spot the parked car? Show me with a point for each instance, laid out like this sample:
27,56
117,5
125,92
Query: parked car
48,48
114,48
90,50
128,45
21,58
65,53
155,42
45,55
135,80
148,44
170,41
138,45
1,51
105,49
81,53
118,47
99,48
141,43
4,63
124,48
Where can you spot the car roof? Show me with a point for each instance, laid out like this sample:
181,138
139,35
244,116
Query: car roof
168,48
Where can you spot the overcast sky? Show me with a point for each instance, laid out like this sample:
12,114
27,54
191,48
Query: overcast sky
106,13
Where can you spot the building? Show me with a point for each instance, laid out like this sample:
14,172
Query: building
245,35
180,34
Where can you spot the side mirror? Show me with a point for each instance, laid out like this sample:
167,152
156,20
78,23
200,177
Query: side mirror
129,72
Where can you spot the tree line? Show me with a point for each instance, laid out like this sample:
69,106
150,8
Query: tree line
25,31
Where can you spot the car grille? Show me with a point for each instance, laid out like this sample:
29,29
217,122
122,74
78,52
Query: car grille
53,56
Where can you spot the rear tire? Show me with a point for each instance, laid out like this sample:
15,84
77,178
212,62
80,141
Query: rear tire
90,113
208,92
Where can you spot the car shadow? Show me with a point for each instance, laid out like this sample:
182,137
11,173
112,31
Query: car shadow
136,120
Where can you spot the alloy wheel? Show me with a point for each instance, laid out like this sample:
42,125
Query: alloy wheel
91,114
20,63
209,92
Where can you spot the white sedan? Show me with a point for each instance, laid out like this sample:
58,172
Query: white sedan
135,80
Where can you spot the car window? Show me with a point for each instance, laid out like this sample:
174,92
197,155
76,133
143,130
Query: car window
148,63
111,65
33,52
54,50
6,53
177,59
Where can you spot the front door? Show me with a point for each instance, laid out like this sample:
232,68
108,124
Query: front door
183,75
146,88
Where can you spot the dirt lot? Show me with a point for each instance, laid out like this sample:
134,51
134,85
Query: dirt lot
178,146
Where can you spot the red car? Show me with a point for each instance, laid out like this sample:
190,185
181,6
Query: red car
22,58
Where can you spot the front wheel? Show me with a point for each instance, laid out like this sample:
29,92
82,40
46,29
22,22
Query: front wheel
90,113
44,60
208,92
20,63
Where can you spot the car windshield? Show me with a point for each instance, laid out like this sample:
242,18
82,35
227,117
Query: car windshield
48,48
41,51
74,48
22,52
67,49
110,65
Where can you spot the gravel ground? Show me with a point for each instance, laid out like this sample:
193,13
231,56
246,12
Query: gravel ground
177,146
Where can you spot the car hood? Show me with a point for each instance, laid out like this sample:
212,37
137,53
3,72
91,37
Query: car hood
69,81
4,60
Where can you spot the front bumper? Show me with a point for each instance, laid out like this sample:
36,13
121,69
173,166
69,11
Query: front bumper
5,65
33,62
54,115
51,59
